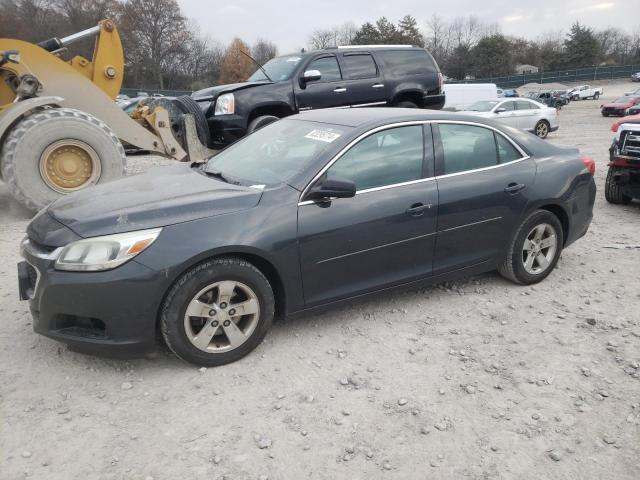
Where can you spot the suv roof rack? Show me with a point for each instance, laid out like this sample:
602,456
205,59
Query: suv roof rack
375,46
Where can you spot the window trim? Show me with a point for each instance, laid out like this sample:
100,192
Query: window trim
436,144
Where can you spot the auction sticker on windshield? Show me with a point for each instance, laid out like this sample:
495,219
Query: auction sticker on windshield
322,135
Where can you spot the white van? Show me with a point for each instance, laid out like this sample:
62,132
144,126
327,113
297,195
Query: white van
460,95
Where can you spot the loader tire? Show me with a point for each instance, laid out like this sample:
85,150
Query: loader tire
56,151
187,104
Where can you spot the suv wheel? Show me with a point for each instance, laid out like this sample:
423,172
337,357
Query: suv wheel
534,250
259,122
405,104
217,312
612,191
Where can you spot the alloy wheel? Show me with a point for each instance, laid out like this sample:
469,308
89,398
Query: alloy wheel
542,130
222,316
539,249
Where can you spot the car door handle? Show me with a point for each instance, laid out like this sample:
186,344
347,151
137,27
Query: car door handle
514,187
417,209
340,90
377,85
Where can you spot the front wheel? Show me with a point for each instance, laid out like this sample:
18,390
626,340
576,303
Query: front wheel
542,129
612,191
261,121
534,250
217,312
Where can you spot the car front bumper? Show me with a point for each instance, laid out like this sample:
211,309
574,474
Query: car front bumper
113,311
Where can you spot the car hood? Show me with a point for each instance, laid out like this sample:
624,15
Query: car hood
163,196
213,92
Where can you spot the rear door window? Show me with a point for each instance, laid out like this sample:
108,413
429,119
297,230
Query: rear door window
328,68
467,147
524,105
506,151
359,65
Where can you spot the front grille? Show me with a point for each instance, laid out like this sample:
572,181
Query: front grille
630,143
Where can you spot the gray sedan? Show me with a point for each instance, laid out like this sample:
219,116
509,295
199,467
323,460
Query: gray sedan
520,113
309,211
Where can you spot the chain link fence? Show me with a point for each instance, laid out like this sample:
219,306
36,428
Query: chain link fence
584,75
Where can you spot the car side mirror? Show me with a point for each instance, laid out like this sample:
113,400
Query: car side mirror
500,110
332,188
311,76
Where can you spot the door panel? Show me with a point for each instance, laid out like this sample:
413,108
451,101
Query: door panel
527,114
329,91
363,79
353,245
476,216
510,117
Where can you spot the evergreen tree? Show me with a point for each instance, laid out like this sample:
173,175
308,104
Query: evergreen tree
409,32
581,47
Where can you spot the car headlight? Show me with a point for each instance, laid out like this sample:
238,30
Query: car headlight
225,104
104,253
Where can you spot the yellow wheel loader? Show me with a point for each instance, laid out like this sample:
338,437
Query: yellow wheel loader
62,131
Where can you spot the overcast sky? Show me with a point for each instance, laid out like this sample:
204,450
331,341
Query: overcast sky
289,23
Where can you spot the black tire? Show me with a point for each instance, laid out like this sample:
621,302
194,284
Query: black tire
193,281
405,104
20,157
612,191
596,96
605,114
542,129
187,104
261,121
512,266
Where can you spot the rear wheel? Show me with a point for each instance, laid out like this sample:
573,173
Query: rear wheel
542,129
58,151
534,250
596,96
612,191
217,312
405,104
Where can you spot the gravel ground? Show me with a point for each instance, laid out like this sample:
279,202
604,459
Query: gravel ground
477,379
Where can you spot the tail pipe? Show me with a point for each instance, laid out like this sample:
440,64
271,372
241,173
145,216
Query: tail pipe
54,44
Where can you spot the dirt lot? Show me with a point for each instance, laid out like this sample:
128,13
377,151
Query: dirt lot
479,379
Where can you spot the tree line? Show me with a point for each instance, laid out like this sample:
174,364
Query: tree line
468,47
165,50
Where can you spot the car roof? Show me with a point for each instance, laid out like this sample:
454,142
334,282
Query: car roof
366,116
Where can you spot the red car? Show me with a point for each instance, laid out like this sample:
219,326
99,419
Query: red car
627,119
620,105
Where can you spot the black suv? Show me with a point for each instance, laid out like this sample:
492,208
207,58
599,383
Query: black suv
400,76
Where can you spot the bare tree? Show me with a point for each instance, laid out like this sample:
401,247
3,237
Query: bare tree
320,39
263,51
155,35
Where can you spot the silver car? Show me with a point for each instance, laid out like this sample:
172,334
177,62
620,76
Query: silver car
521,113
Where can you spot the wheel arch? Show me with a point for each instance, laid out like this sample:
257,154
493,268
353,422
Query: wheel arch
277,109
257,258
413,95
562,215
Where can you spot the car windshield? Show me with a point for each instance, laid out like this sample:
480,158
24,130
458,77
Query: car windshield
276,153
483,105
278,69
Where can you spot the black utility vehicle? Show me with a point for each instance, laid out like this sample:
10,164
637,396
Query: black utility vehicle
354,76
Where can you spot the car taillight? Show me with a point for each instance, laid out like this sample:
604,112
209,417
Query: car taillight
590,164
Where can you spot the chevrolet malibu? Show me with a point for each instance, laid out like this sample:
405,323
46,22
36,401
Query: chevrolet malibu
310,211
